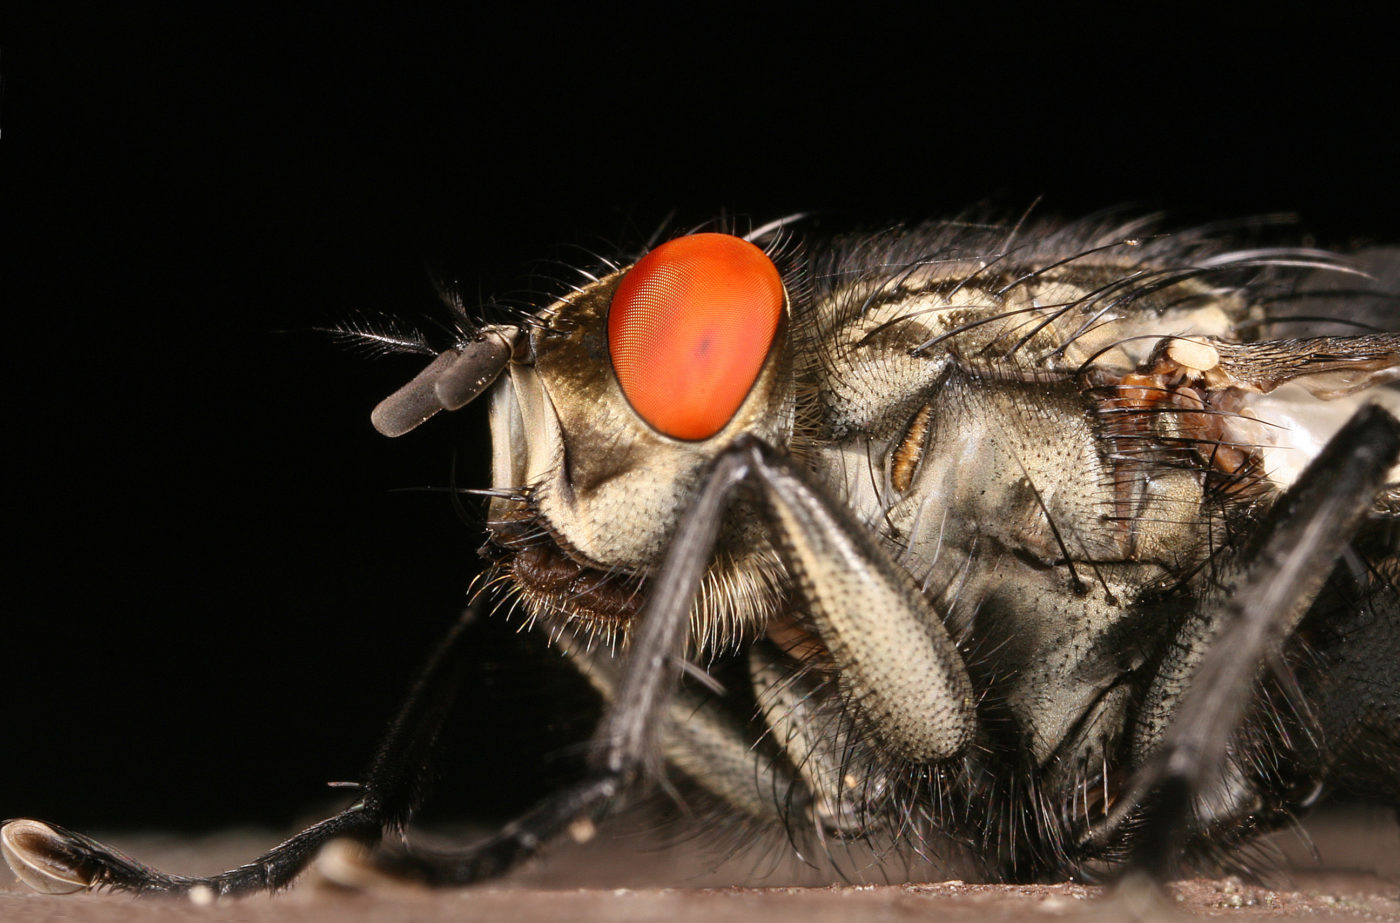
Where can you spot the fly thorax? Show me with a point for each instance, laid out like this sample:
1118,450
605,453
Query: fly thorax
990,482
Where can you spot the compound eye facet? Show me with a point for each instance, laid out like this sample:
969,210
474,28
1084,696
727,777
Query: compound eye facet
689,328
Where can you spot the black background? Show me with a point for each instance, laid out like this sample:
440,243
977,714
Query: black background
215,592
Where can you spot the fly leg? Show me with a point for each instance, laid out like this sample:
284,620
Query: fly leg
906,676
708,743
54,860
901,672
1203,690
698,737
629,741
844,797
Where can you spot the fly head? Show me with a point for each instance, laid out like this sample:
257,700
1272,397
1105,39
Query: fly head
616,400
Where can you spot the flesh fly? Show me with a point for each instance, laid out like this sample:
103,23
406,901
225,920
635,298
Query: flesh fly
1069,547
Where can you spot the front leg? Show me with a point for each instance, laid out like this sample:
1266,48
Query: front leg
906,677
901,670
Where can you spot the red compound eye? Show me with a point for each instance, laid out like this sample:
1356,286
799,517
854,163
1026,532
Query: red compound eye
689,328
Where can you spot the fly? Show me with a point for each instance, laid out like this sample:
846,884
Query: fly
1070,547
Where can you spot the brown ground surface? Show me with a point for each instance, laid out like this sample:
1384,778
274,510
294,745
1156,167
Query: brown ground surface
633,880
